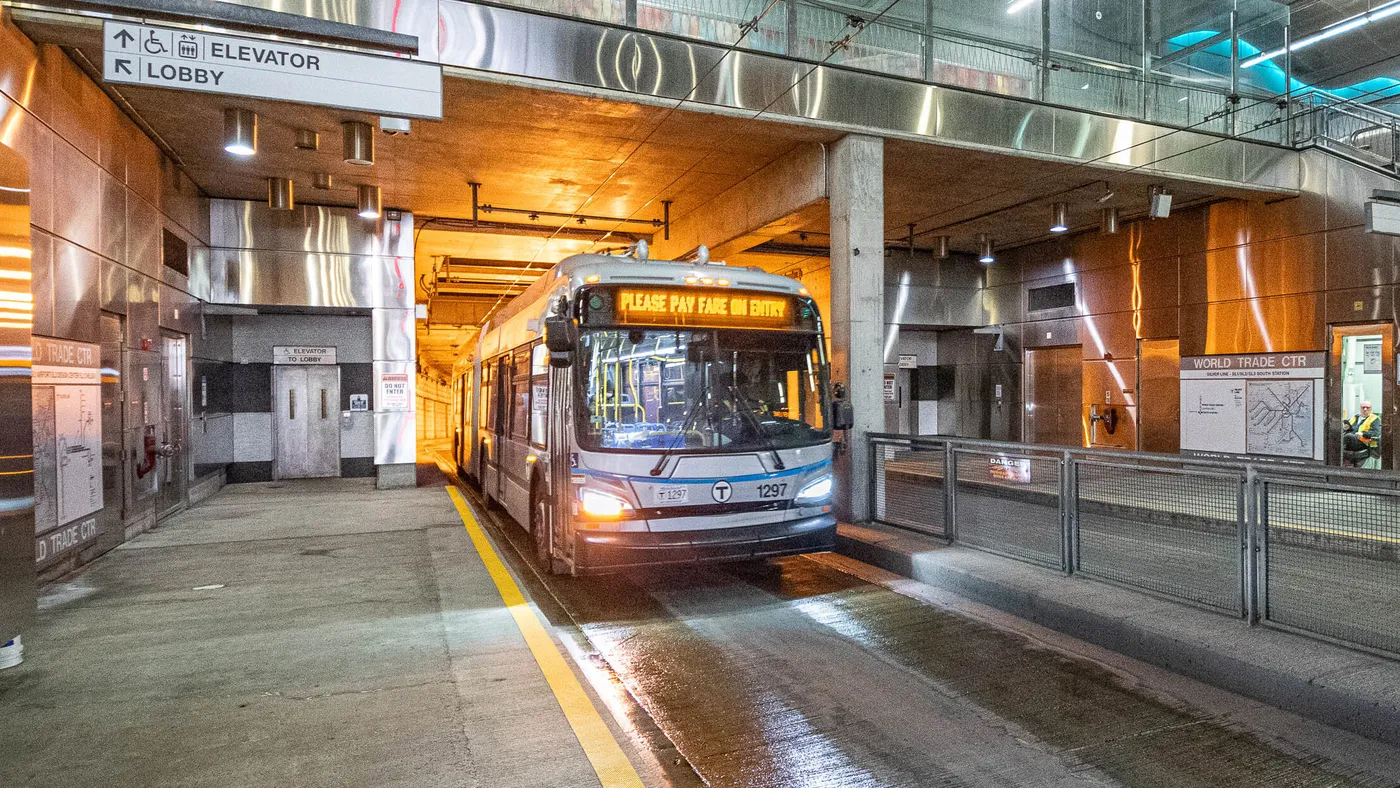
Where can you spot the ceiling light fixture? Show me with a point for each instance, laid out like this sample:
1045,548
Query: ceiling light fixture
280,194
240,131
940,246
308,140
1108,221
1346,25
1107,193
370,201
984,249
322,181
359,143
1059,218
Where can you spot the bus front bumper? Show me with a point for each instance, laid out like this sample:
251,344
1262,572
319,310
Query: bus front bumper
602,551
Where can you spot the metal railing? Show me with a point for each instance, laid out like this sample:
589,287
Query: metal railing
1350,128
1302,547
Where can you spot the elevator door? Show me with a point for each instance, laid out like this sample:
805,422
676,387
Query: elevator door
306,421
1054,396
172,463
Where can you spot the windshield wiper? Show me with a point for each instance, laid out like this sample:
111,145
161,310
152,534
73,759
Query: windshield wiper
685,427
745,405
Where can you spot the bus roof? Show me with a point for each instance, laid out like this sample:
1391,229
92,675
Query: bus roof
518,321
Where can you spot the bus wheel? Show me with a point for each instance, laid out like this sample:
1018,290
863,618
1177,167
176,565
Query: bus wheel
539,524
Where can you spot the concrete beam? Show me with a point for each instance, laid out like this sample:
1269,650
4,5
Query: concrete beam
777,199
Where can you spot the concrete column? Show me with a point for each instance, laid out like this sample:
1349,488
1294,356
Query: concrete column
856,188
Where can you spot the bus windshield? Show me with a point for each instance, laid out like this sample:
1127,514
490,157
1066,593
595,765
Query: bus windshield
717,390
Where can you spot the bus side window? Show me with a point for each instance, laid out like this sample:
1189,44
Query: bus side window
488,399
539,394
520,395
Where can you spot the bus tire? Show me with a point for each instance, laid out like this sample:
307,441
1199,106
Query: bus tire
539,525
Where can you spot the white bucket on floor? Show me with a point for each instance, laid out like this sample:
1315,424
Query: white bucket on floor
11,654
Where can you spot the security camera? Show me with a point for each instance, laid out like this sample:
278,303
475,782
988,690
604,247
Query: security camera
393,126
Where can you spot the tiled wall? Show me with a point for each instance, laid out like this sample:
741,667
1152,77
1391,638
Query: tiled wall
101,195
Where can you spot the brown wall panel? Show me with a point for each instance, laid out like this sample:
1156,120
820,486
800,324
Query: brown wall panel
1355,257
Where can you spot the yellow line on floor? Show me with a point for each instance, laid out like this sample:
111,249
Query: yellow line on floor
1322,529
609,761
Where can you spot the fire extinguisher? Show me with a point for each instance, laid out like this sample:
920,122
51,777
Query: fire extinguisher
148,464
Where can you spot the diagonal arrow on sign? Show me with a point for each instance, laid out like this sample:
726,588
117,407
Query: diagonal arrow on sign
123,66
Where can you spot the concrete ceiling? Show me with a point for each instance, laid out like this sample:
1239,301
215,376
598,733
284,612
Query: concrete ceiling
544,151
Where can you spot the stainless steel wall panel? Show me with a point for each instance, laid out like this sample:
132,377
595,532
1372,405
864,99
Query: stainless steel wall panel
1160,323
1254,270
1158,283
41,283
1356,257
394,333
1109,141
1361,304
1269,166
200,283
112,227
243,224
1093,250
1003,304
1050,333
1201,156
1104,290
75,302
410,17
1111,385
178,310
143,240
1264,325
396,278
1050,258
1349,186
395,438
1159,402
112,289
143,311
34,141
77,187
212,437
1108,334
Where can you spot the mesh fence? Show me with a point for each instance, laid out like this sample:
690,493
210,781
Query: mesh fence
1331,563
909,488
1171,532
1010,504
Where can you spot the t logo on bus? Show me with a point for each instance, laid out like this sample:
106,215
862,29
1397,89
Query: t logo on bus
721,491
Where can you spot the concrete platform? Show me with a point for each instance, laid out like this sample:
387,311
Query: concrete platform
1347,689
294,634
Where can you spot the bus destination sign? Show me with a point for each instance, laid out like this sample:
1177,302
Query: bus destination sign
702,308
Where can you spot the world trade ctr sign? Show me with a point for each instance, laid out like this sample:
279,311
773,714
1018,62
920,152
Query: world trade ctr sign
138,54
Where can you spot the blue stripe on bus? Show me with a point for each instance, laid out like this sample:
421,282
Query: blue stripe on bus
752,477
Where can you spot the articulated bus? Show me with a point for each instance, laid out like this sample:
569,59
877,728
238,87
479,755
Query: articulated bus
627,411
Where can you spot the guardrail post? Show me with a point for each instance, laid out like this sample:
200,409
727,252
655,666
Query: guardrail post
871,503
950,491
1068,513
1249,535
1260,551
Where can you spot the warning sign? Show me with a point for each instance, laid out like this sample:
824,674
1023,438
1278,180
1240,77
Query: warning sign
394,393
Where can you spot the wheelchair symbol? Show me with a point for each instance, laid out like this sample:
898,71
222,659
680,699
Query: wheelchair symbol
153,45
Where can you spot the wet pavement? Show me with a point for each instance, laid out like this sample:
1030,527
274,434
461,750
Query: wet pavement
794,673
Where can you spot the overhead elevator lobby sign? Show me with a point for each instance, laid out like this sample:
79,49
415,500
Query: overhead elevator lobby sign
167,57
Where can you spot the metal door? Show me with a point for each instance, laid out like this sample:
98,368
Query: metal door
172,464
1054,390
1354,374
306,421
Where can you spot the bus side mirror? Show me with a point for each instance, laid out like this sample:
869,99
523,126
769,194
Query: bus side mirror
843,416
559,336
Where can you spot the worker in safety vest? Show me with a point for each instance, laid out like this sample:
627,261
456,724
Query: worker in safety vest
1361,437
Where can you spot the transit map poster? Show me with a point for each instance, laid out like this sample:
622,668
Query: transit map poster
1268,404
67,396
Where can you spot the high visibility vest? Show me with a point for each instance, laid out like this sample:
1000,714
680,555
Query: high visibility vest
1364,427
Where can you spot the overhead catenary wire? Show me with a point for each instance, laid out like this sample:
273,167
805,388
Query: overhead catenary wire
745,30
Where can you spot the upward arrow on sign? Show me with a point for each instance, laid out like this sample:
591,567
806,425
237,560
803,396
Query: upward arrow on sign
125,38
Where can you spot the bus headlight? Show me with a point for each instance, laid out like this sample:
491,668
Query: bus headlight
816,491
601,504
